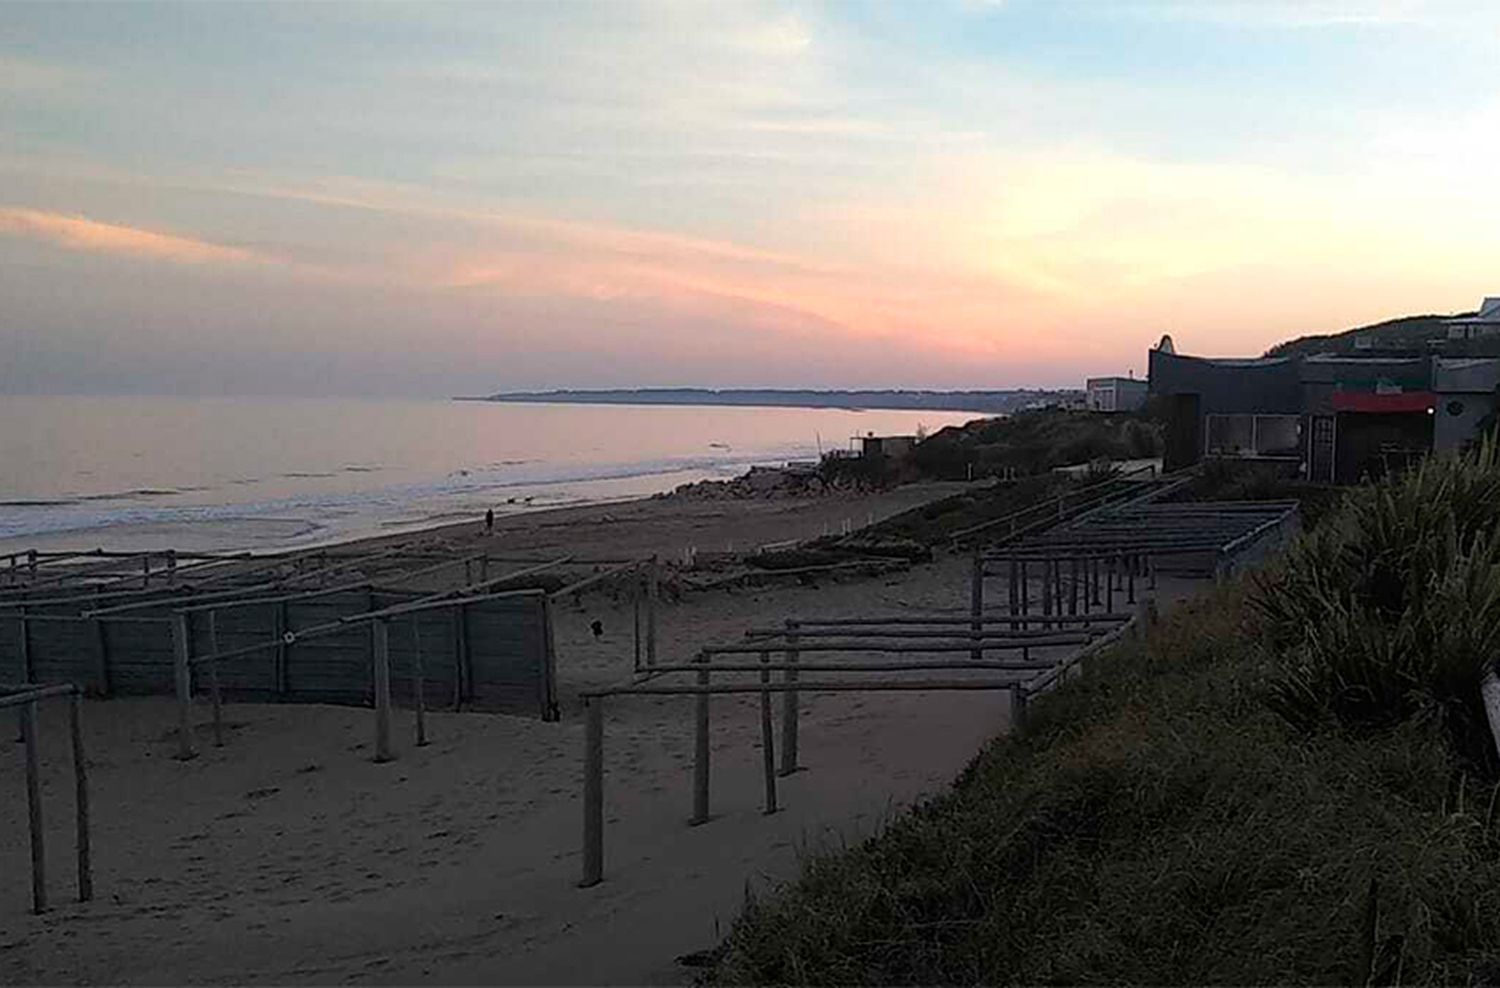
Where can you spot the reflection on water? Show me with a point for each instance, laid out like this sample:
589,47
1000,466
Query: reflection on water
249,473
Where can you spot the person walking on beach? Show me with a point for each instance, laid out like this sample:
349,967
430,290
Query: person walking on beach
489,521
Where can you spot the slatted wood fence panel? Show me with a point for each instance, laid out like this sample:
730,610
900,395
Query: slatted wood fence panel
492,654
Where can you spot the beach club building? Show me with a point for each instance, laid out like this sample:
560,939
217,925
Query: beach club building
1333,418
1114,394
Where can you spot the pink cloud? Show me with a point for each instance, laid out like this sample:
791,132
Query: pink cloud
82,234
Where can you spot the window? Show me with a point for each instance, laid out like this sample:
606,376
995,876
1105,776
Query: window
1255,436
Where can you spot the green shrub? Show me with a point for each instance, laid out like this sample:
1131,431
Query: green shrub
1157,824
1391,608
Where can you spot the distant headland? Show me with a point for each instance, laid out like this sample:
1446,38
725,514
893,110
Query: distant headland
948,401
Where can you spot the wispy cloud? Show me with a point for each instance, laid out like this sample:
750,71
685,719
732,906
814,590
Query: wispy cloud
82,234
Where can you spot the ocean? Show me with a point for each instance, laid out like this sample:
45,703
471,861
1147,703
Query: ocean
217,474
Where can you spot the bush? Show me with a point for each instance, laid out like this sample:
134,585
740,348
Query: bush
1391,609
1157,824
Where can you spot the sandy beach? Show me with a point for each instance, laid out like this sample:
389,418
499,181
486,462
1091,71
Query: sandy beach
288,856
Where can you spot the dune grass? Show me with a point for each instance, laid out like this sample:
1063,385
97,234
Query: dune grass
1166,819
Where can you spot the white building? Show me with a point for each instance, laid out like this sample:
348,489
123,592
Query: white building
1485,323
1466,391
1115,394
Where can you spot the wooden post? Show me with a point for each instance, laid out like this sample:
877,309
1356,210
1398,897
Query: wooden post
279,622
700,748
28,674
1151,572
789,704
635,616
101,652
484,568
465,665
80,799
418,679
1130,564
1073,587
1012,602
382,676
1025,590
652,590
31,562
145,570
1017,707
213,678
183,676
34,810
767,743
1046,592
458,658
171,567
976,601
1109,585
593,792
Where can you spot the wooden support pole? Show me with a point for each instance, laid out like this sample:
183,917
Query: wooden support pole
279,622
101,654
418,680
636,590
1073,587
213,678
455,618
382,677
1025,591
767,742
1046,591
789,704
183,678
1014,596
593,792
700,748
1017,707
1130,565
81,799
652,591
1060,584
28,674
465,660
34,810
1109,584
976,599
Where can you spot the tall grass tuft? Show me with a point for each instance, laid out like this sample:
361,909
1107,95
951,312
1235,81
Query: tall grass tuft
1390,610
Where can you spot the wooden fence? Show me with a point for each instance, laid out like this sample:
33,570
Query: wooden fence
491,652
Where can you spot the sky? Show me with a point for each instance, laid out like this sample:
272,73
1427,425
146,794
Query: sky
428,199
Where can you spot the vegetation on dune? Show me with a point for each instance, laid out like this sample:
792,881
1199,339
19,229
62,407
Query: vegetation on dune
935,522
1391,610
1233,480
1288,780
1034,442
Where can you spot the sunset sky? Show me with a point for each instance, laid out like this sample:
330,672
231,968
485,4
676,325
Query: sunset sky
421,199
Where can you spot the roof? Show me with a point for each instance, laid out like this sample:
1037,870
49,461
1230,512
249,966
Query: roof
1488,314
1472,374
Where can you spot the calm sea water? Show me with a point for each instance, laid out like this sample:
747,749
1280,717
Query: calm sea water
222,473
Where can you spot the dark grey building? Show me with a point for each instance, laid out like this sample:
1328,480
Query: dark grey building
1329,417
